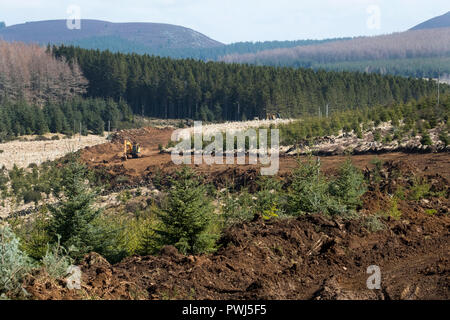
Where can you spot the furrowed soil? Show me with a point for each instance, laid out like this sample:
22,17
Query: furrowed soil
108,157
310,257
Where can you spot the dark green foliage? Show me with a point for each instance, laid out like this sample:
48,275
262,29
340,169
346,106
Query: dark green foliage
32,196
426,140
29,186
377,136
4,178
34,236
19,118
73,220
311,192
166,88
444,138
349,185
188,217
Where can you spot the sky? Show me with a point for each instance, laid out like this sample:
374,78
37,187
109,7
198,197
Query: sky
230,21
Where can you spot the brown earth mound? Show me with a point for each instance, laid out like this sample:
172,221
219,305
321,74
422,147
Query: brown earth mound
108,157
311,257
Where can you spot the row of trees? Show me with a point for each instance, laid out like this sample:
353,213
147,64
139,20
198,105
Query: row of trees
414,67
420,44
20,118
166,88
28,72
118,44
409,118
216,53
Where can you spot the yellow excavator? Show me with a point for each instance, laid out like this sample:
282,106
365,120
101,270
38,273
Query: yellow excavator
131,150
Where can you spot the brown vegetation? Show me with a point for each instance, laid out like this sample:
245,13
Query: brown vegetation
28,72
411,44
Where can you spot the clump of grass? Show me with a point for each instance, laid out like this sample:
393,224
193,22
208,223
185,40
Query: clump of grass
374,223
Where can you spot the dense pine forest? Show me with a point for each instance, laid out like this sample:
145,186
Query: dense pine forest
55,90
20,118
167,88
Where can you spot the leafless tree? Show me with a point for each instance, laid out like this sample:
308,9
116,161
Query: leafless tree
29,72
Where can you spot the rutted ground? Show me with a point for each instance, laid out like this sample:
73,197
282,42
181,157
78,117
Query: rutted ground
107,157
312,257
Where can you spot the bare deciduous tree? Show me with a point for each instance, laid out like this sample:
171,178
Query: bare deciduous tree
29,72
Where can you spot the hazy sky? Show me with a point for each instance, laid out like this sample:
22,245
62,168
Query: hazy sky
244,20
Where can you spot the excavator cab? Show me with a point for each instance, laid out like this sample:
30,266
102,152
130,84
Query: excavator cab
131,150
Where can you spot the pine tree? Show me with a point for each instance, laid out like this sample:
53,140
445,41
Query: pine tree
349,185
72,219
188,216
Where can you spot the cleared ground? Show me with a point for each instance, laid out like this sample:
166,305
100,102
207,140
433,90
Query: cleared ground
23,153
311,257
109,156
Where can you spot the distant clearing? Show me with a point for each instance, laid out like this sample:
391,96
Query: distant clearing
23,153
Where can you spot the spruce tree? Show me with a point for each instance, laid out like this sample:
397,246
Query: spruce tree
188,217
73,218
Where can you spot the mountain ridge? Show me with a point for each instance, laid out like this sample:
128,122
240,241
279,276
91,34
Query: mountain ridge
442,21
151,35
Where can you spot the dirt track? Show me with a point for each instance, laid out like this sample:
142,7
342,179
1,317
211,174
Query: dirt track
109,156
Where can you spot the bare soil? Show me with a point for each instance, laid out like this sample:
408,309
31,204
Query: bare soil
108,157
306,258
311,257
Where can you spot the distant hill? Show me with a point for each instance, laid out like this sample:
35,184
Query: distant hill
418,53
141,38
149,36
214,54
437,22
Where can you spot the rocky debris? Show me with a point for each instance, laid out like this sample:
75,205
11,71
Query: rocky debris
349,143
332,290
24,153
